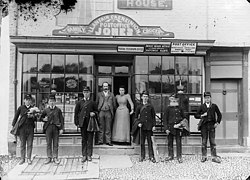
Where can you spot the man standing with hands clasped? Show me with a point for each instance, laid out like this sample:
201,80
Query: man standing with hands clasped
145,114
207,113
53,126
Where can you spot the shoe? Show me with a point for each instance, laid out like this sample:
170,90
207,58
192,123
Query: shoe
109,144
170,158
141,159
216,160
203,159
89,158
180,160
29,161
152,160
48,160
22,161
56,161
84,159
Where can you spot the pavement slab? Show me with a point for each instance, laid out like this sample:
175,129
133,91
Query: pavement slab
115,161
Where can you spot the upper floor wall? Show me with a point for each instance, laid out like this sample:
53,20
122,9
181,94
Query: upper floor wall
225,21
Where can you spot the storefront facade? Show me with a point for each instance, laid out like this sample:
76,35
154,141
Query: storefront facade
115,48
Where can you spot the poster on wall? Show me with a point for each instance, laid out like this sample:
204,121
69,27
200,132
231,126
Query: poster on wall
183,48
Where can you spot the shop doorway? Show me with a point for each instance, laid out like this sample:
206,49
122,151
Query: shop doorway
120,81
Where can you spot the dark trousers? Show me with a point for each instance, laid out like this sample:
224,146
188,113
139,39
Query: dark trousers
87,141
105,118
26,137
208,131
52,137
178,144
146,134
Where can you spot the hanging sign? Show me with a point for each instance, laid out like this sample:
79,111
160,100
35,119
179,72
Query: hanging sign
145,4
112,24
183,48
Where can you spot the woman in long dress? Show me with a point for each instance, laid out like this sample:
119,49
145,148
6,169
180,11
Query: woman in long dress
121,126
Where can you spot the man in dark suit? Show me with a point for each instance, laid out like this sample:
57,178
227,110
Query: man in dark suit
85,109
106,106
207,113
174,117
145,113
25,128
53,126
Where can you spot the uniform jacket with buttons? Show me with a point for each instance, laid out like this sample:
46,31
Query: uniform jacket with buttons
82,111
212,111
146,116
54,117
22,112
174,115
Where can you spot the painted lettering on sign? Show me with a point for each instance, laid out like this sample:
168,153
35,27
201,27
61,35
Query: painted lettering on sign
183,48
113,24
145,4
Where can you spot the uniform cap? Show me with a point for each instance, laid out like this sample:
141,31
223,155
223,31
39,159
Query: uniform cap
207,94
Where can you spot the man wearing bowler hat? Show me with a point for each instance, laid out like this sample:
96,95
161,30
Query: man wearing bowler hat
84,110
53,126
210,116
25,128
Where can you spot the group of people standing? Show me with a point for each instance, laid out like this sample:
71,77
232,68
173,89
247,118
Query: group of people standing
111,123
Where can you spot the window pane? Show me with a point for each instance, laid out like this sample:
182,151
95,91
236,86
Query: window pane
29,83
57,82
71,64
44,63
71,83
155,64
168,65
168,84
195,67
58,63
104,70
85,80
44,83
141,83
155,100
29,63
181,83
181,65
121,69
42,100
86,64
154,84
194,86
141,65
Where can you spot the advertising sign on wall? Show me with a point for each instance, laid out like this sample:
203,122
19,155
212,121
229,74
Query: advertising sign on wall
183,48
113,24
145,4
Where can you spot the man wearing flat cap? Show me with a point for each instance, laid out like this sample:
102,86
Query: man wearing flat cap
53,126
86,109
210,116
26,125
145,115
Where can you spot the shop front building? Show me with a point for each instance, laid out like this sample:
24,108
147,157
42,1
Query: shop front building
114,48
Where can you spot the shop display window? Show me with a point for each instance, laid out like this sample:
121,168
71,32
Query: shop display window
63,75
165,75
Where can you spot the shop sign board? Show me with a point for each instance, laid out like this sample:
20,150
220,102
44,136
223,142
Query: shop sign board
130,49
163,48
183,48
114,25
145,4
